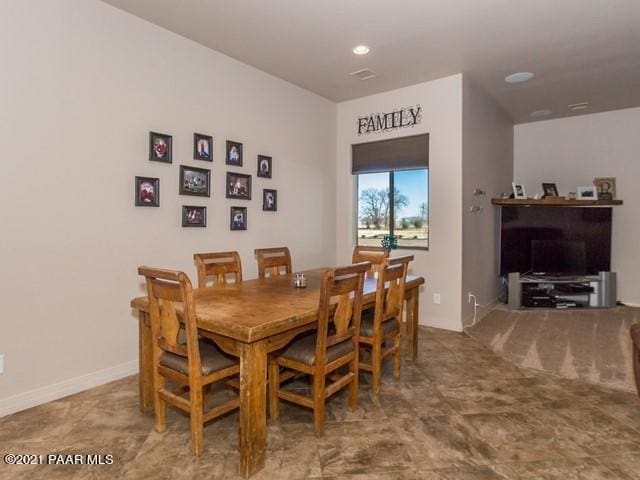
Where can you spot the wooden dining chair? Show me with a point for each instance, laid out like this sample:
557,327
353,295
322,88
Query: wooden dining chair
373,255
218,266
194,364
272,260
380,328
320,354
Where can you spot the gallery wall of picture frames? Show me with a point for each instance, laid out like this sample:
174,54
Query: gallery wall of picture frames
195,181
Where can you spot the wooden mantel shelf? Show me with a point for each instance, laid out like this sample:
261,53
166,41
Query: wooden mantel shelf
554,202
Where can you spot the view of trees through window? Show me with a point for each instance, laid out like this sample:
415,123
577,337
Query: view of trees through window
404,214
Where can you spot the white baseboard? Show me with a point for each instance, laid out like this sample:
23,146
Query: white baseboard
41,395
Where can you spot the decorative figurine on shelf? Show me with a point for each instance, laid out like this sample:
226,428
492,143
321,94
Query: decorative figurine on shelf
390,241
606,187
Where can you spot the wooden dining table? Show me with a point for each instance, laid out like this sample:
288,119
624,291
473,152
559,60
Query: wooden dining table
249,320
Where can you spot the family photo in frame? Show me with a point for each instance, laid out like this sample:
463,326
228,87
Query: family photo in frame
202,147
238,186
160,147
264,166
238,218
550,190
147,192
269,200
519,191
195,181
234,153
194,216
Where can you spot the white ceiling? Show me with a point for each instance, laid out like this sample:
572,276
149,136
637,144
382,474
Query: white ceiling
580,50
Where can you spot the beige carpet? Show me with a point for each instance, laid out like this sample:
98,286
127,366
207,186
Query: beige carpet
590,345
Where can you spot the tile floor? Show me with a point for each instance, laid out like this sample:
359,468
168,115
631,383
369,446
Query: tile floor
459,412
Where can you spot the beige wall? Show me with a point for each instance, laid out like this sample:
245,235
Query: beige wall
83,84
441,102
571,152
487,164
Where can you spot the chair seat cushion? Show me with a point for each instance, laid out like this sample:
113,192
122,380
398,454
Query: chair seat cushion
303,350
366,325
211,357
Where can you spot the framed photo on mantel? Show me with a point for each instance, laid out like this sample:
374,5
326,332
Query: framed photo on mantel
550,190
518,191
587,193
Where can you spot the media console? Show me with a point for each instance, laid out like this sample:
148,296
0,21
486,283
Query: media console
571,238
539,291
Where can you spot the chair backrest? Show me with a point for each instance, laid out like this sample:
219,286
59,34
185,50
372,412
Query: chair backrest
218,265
165,288
271,260
340,288
373,255
390,289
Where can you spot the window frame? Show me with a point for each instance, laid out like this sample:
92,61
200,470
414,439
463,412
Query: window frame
392,213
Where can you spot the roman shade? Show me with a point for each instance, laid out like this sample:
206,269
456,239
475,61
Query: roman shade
404,153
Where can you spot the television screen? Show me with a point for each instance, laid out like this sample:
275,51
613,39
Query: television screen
551,257
555,240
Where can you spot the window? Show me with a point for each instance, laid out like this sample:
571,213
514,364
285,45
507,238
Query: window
399,165
404,214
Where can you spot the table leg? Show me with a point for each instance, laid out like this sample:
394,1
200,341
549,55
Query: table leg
253,418
413,313
145,359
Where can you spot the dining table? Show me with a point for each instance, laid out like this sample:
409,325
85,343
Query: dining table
249,320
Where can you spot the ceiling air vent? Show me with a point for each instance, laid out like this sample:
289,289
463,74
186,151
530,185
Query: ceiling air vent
364,74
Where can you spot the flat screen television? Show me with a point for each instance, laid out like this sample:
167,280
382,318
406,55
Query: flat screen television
555,240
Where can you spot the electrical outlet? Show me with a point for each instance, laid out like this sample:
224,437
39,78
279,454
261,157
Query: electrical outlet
436,298
1,363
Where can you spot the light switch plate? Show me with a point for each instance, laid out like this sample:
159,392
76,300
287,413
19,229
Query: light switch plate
436,298
1,363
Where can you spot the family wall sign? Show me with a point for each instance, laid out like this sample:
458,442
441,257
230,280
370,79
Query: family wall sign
383,122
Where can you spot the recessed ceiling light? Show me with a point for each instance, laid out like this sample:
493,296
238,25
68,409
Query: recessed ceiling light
540,113
518,77
579,106
361,50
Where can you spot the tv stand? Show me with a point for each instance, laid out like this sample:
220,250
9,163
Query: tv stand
541,291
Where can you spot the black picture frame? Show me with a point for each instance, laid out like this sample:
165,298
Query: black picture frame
238,218
550,190
147,192
194,216
234,157
160,147
205,154
265,166
190,177
238,185
269,200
